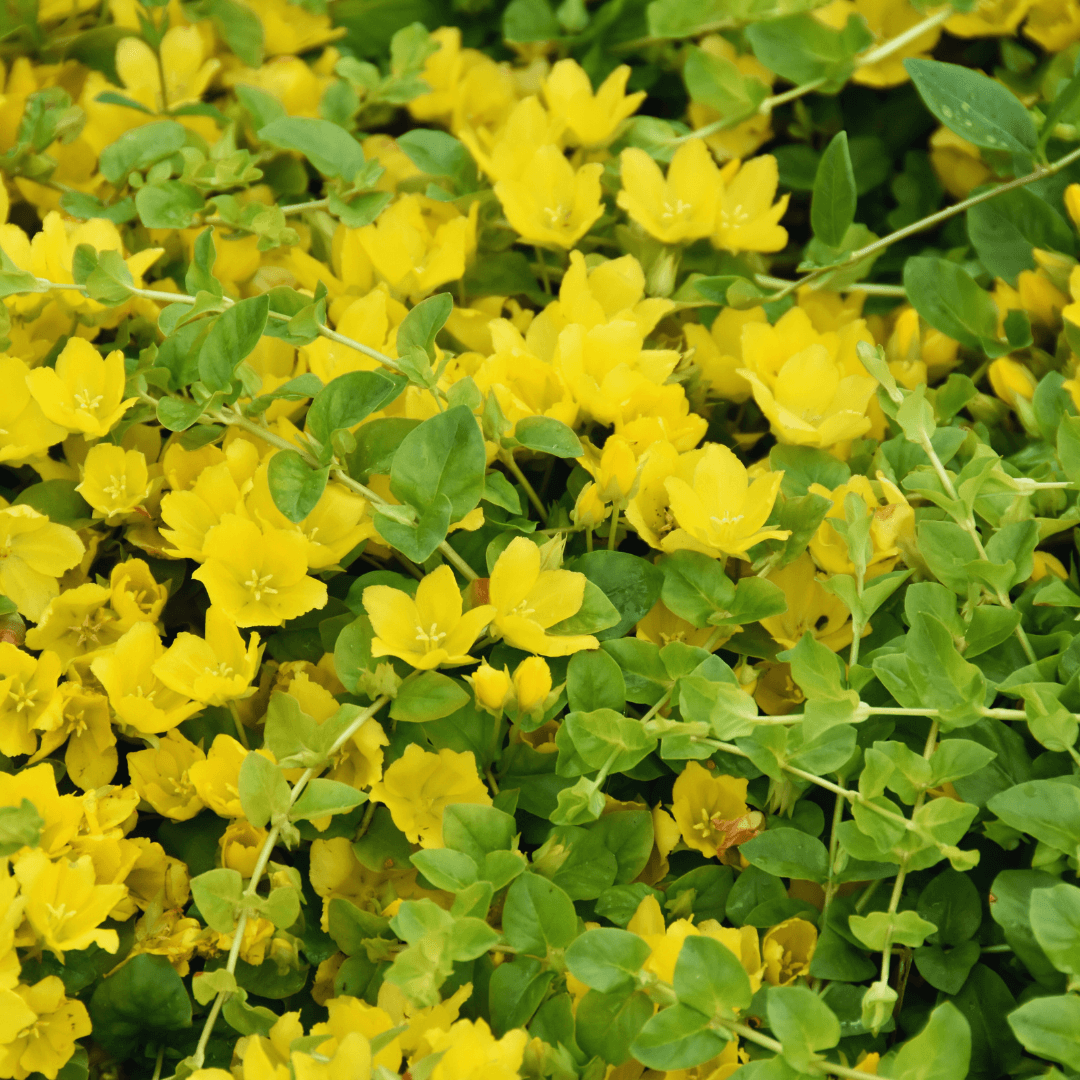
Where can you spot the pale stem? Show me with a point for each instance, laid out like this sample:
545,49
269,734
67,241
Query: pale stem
507,458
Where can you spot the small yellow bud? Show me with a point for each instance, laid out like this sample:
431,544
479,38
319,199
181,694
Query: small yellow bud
1011,380
617,476
532,681
590,509
491,687
1044,564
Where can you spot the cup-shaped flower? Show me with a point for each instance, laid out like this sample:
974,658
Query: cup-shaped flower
65,905
258,577
161,776
532,683
719,512
711,811
84,393
810,608
34,552
38,1029
134,594
420,785
813,402
787,950
430,631
591,119
681,207
138,697
529,601
214,669
115,481
29,698
492,687
551,203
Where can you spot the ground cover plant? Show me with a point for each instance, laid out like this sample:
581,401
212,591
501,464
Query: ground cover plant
539,540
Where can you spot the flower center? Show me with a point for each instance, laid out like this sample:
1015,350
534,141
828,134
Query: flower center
84,399
23,698
259,586
523,610
431,638
116,488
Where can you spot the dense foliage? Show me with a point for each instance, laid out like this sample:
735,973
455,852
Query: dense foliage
539,540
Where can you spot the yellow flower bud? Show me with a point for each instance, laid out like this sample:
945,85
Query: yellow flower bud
590,509
1072,203
1011,380
1044,564
491,687
532,681
617,476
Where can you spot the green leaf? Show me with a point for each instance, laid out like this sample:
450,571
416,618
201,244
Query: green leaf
324,797
217,894
13,280
801,49
441,458
438,153
1006,228
200,271
607,959
477,830
604,737
241,28
20,826
233,336
1045,809
947,970
139,148
975,107
546,435
950,300
538,916
677,1038
951,902
168,204
803,1023
594,681
832,209
717,83
420,327
710,978
294,485
145,998
347,400
429,695
331,149
264,794
902,928
941,1051
1055,921
788,853
695,586
1049,1027
631,583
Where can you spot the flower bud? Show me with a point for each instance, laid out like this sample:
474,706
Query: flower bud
590,509
12,628
617,475
1011,380
1043,563
491,686
877,1006
532,682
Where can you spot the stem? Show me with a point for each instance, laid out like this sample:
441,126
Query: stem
613,529
544,278
507,458
300,207
870,290
1038,173
241,731
886,49
818,1068
260,866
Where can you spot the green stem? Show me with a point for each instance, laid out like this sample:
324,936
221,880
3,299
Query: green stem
241,731
507,458
613,528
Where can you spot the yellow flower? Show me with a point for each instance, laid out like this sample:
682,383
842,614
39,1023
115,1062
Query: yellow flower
813,402
591,120
743,942
532,683
491,687
1045,564
258,576
419,786
469,1051
528,601
240,845
38,1029
65,905
84,393
718,511
29,698
1035,294
746,218
551,203
810,607
134,594
957,163
76,623
614,468
893,523
183,63
718,351
417,244
711,811
1011,380
666,942
138,697
214,669
787,950
114,481
429,631
1054,24
589,508
86,723
680,208
25,433
162,777
351,1017
661,627
216,776
62,814
33,554
990,17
